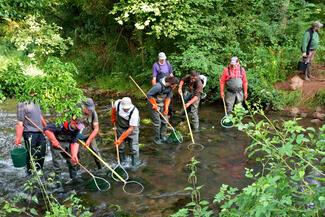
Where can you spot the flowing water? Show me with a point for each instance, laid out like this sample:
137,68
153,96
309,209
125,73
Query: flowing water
163,172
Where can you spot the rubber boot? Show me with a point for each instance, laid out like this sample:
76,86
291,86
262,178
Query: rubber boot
135,160
157,139
163,132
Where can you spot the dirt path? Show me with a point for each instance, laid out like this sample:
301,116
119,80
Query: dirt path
309,88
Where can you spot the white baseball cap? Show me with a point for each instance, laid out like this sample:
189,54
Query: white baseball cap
126,103
234,60
162,56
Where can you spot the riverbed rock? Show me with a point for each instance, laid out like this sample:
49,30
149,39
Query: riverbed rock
316,121
319,115
296,83
303,114
294,112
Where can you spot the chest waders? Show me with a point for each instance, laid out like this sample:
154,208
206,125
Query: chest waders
234,93
132,140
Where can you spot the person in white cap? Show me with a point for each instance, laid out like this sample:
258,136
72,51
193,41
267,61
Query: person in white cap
125,116
161,68
309,45
234,78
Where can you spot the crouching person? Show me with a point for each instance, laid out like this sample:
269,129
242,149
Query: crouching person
125,117
64,137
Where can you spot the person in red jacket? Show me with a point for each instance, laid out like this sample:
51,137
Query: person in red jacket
234,78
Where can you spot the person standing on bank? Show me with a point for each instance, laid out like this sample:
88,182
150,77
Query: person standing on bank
125,117
161,68
160,96
90,121
192,96
34,140
309,45
234,78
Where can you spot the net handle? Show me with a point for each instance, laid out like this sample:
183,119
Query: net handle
188,121
101,160
163,116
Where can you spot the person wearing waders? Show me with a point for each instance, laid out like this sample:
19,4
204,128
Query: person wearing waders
65,136
159,97
192,96
90,121
34,140
161,68
125,117
309,45
234,78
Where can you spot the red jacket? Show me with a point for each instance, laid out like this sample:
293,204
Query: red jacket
235,72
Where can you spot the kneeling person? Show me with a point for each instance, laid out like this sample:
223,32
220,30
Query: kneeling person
125,116
67,134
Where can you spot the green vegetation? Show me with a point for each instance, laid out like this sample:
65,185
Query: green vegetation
291,182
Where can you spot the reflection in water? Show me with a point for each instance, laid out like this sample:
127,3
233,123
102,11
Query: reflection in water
164,172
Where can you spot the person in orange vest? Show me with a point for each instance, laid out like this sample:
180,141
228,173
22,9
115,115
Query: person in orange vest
235,81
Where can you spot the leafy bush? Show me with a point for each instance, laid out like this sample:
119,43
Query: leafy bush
12,80
37,38
56,91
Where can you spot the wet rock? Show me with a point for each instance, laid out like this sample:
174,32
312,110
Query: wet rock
316,121
319,115
296,83
294,112
304,114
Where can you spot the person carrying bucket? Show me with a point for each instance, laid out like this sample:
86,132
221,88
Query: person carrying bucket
125,117
90,120
66,136
34,140
159,97
192,96
234,78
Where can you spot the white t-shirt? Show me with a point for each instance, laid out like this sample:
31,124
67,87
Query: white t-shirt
135,119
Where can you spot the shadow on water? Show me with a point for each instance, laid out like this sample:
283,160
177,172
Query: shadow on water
163,173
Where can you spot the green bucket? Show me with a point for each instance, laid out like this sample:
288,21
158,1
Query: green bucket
19,157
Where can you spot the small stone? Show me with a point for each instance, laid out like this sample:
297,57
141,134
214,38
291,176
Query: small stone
294,111
304,114
296,83
316,121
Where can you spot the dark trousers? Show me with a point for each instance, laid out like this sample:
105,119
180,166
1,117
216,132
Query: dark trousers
35,144
57,156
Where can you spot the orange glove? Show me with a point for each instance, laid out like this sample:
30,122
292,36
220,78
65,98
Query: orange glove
113,115
19,134
50,135
166,106
124,135
153,103
74,149
222,90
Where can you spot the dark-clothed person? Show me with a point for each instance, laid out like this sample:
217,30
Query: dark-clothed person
192,96
34,140
309,46
160,96
125,116
90,121
64,135
235,81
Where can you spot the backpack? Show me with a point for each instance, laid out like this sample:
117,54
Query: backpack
311,33
204,80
